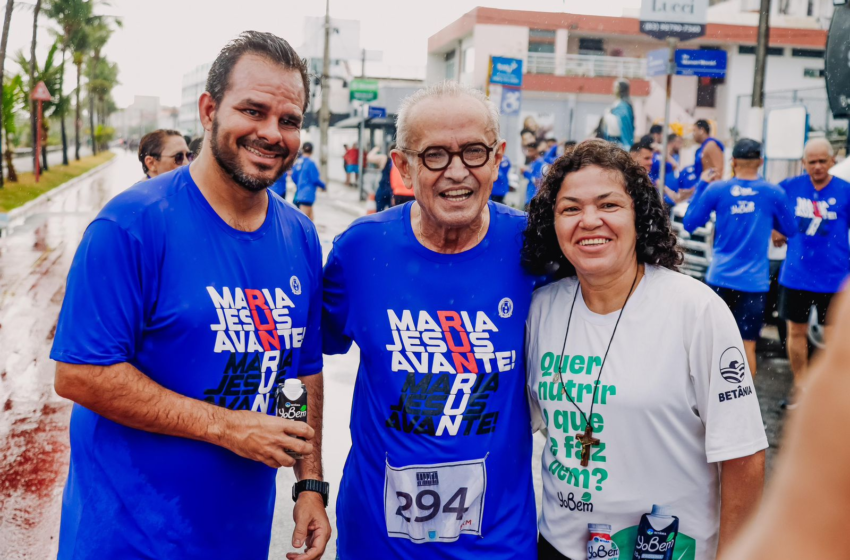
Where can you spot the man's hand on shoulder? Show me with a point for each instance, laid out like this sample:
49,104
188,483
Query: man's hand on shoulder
264,438
312,527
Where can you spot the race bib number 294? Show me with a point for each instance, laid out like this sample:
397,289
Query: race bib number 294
435,503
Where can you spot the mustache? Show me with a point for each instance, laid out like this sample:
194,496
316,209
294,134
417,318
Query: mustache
265,146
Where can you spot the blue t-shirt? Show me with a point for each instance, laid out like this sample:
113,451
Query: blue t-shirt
746,211
308,182
439,325
161,282
670,178
501,185
279,186
296,169
698,155
551,155
818,258
534,174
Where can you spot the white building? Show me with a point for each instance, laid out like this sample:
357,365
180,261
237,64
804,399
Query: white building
194,84
137,119
572,61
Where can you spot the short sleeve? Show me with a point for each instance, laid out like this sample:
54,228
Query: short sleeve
531,334
102,316
336,339
725,393
311,352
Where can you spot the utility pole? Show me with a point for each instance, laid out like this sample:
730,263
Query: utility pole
325,111
756,118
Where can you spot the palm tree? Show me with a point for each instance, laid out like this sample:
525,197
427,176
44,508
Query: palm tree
99,34
7,20
72,16
36,10
103,77
79,47
51,74
14,100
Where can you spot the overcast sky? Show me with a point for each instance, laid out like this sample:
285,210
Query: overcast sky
163,39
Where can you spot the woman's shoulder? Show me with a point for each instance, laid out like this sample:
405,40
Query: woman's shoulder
553,293
677,287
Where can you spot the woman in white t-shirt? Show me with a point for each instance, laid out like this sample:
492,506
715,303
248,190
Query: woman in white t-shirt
650,356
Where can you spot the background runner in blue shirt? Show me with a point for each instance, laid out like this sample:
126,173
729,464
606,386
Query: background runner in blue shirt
746,209
710,152
440,460
308,181
501,186
175,329
818,258
534,173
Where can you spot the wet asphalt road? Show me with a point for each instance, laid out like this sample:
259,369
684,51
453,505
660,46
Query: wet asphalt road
34,260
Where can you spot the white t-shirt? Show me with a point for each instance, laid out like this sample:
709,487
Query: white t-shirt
675,398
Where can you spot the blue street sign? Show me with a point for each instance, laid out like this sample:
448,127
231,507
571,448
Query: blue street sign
511,101
506,71
703,63
377,112
656,62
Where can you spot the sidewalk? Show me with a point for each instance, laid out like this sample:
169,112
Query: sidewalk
344,198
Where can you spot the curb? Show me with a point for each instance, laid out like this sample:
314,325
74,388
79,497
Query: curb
23,211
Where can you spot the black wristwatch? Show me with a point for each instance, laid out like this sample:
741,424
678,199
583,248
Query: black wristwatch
310,485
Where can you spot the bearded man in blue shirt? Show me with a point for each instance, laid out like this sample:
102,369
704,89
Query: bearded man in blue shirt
440,460
747,209
191,296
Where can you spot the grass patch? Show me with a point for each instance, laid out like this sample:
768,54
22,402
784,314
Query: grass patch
13,195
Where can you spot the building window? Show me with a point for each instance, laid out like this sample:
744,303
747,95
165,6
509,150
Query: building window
469,59
771,51
707,91
450,65
592,46
813,73
807,53
541,41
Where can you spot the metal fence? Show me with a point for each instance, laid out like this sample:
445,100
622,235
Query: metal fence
821,124
583,65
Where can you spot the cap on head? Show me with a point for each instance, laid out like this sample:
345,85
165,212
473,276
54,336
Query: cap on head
747,148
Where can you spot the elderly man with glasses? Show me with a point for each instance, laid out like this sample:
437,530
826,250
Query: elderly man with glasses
440,463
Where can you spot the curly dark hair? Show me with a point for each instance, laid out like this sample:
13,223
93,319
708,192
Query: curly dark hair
655,243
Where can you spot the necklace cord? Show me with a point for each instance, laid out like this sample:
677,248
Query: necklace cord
604,358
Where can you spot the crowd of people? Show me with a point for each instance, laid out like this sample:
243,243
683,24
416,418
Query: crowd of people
195,293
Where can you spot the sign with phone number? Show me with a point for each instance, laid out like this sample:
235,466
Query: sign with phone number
664,29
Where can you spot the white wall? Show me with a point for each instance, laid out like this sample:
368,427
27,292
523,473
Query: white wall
497,40
783,73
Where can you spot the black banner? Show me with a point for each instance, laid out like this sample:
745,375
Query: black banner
837,62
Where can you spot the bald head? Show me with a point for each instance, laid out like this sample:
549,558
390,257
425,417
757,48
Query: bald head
411,118
818,158
818,145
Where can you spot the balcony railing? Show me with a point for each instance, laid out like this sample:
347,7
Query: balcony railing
589,66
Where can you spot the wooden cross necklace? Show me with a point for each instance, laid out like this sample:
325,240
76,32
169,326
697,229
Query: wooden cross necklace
587,440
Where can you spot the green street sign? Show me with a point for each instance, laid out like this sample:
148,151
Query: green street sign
363,90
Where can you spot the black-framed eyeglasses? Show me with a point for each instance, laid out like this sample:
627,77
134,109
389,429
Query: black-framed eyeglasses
178,157
438,158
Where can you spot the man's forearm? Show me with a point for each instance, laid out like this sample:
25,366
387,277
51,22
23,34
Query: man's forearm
741,485
127,396
311,465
